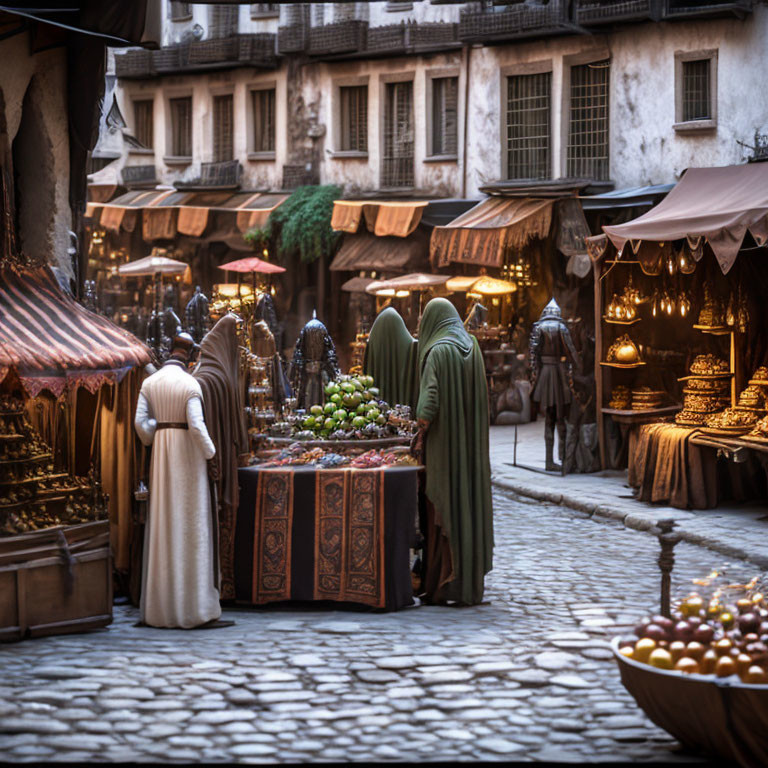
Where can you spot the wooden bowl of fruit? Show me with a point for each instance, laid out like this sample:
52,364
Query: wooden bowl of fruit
703,678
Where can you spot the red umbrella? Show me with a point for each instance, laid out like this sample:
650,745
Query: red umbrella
252,264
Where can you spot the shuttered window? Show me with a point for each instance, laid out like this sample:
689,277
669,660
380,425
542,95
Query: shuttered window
588,124
181,127
180,11
445,115
529,111
397,162
223,144
354,118
143,123
223,20
263,103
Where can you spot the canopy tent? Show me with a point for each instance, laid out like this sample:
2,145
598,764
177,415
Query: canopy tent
630,197
364,251
357,284
252,264
152,265
719,205
413,282
54,343
484,285
483,234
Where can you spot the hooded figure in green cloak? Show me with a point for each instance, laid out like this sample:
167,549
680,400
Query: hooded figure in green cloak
452,413
391,358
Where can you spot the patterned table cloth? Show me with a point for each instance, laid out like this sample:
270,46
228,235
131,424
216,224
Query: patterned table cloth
340,535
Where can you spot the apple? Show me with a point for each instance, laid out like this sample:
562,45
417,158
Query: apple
725,667
749,622
743,663
704,634
708,661
677,650
687,666
661,659
695,650
643,649
756,676
655,632
683,631
723,646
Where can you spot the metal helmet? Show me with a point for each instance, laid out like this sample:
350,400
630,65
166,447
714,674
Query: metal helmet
551,310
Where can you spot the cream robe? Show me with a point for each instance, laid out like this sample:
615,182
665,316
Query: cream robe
177,575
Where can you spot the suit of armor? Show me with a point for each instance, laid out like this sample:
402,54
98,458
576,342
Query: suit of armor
314,364
196,316
551,350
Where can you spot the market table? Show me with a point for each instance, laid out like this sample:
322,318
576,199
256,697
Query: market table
344,534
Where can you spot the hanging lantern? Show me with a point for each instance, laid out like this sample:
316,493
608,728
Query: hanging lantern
671,264
730,315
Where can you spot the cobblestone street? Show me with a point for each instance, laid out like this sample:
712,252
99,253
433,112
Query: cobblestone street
528,675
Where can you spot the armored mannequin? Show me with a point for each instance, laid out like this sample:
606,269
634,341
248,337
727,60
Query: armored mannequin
196,315
551,350
314,363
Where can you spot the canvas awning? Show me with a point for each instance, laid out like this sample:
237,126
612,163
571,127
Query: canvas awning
54,343
364,251
630,197
719,205
482,234
383,218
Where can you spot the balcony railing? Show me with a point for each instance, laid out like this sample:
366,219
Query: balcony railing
593,12
686,9
298,176
240,50
139,175
514,21
343,37
224,175
404,38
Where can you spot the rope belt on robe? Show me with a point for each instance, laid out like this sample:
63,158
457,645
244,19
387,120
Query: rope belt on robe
172,425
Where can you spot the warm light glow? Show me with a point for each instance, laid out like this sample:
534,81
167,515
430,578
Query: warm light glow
402,294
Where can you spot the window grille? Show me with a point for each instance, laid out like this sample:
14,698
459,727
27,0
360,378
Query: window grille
143,123
588,125
223,20
264,10
445,93
318,14
397,168
180,11
354,118
263,120
529,114
696,90
223,148
393,6
343,12
181,127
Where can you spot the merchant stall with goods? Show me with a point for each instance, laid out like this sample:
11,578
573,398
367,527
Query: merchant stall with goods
328,503
509,255
69,381
681,344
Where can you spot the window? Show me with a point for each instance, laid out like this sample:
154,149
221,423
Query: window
343,12
180,11
223,20
696,101
528,134
353,103
696,90
181,127
265,10
143,124
397,170
588,124
445,99
223,148
394,7
263,120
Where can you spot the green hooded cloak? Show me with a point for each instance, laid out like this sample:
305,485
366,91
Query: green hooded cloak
453,397
391,358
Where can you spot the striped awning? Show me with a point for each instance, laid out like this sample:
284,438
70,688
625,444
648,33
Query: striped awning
165,213
483,234
52,342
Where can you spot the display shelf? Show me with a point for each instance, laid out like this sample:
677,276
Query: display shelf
621,261
707,376
36,479
720,330
37,457
379,442
9,438
642,416
722,432
608,364
612,321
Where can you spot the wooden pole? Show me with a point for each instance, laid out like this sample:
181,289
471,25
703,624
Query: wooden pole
596,270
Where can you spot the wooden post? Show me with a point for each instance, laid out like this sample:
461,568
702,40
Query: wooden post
667,540
596,270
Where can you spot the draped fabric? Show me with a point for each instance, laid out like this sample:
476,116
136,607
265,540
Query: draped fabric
364,251
54,343
192,221
453,398
391,358
218,376
485,232
397,218
158,224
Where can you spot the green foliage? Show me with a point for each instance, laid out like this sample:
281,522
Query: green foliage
258,238
301,226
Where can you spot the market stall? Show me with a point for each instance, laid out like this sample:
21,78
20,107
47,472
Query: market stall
68,385
680,335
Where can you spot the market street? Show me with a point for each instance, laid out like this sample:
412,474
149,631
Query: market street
526,675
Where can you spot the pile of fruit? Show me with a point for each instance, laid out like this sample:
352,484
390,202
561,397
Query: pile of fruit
707,637
374,458
353,411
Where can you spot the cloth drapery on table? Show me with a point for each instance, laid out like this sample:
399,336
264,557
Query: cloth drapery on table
326,534
391,358
453,397
218,376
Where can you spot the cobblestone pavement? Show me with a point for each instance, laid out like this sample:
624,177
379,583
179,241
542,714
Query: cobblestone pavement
526,676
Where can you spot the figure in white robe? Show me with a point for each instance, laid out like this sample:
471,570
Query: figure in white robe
177,576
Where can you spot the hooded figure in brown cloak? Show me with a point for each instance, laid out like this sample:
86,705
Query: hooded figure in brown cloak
218,375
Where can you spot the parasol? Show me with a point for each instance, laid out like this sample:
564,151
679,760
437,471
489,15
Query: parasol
483,284
152,265
252,264
357,284
418,281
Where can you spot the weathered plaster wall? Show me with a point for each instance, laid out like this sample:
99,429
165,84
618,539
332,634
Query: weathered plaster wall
34,93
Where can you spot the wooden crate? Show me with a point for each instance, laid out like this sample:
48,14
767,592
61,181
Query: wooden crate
55,581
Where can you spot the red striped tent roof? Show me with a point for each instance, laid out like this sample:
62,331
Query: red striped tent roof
52,342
